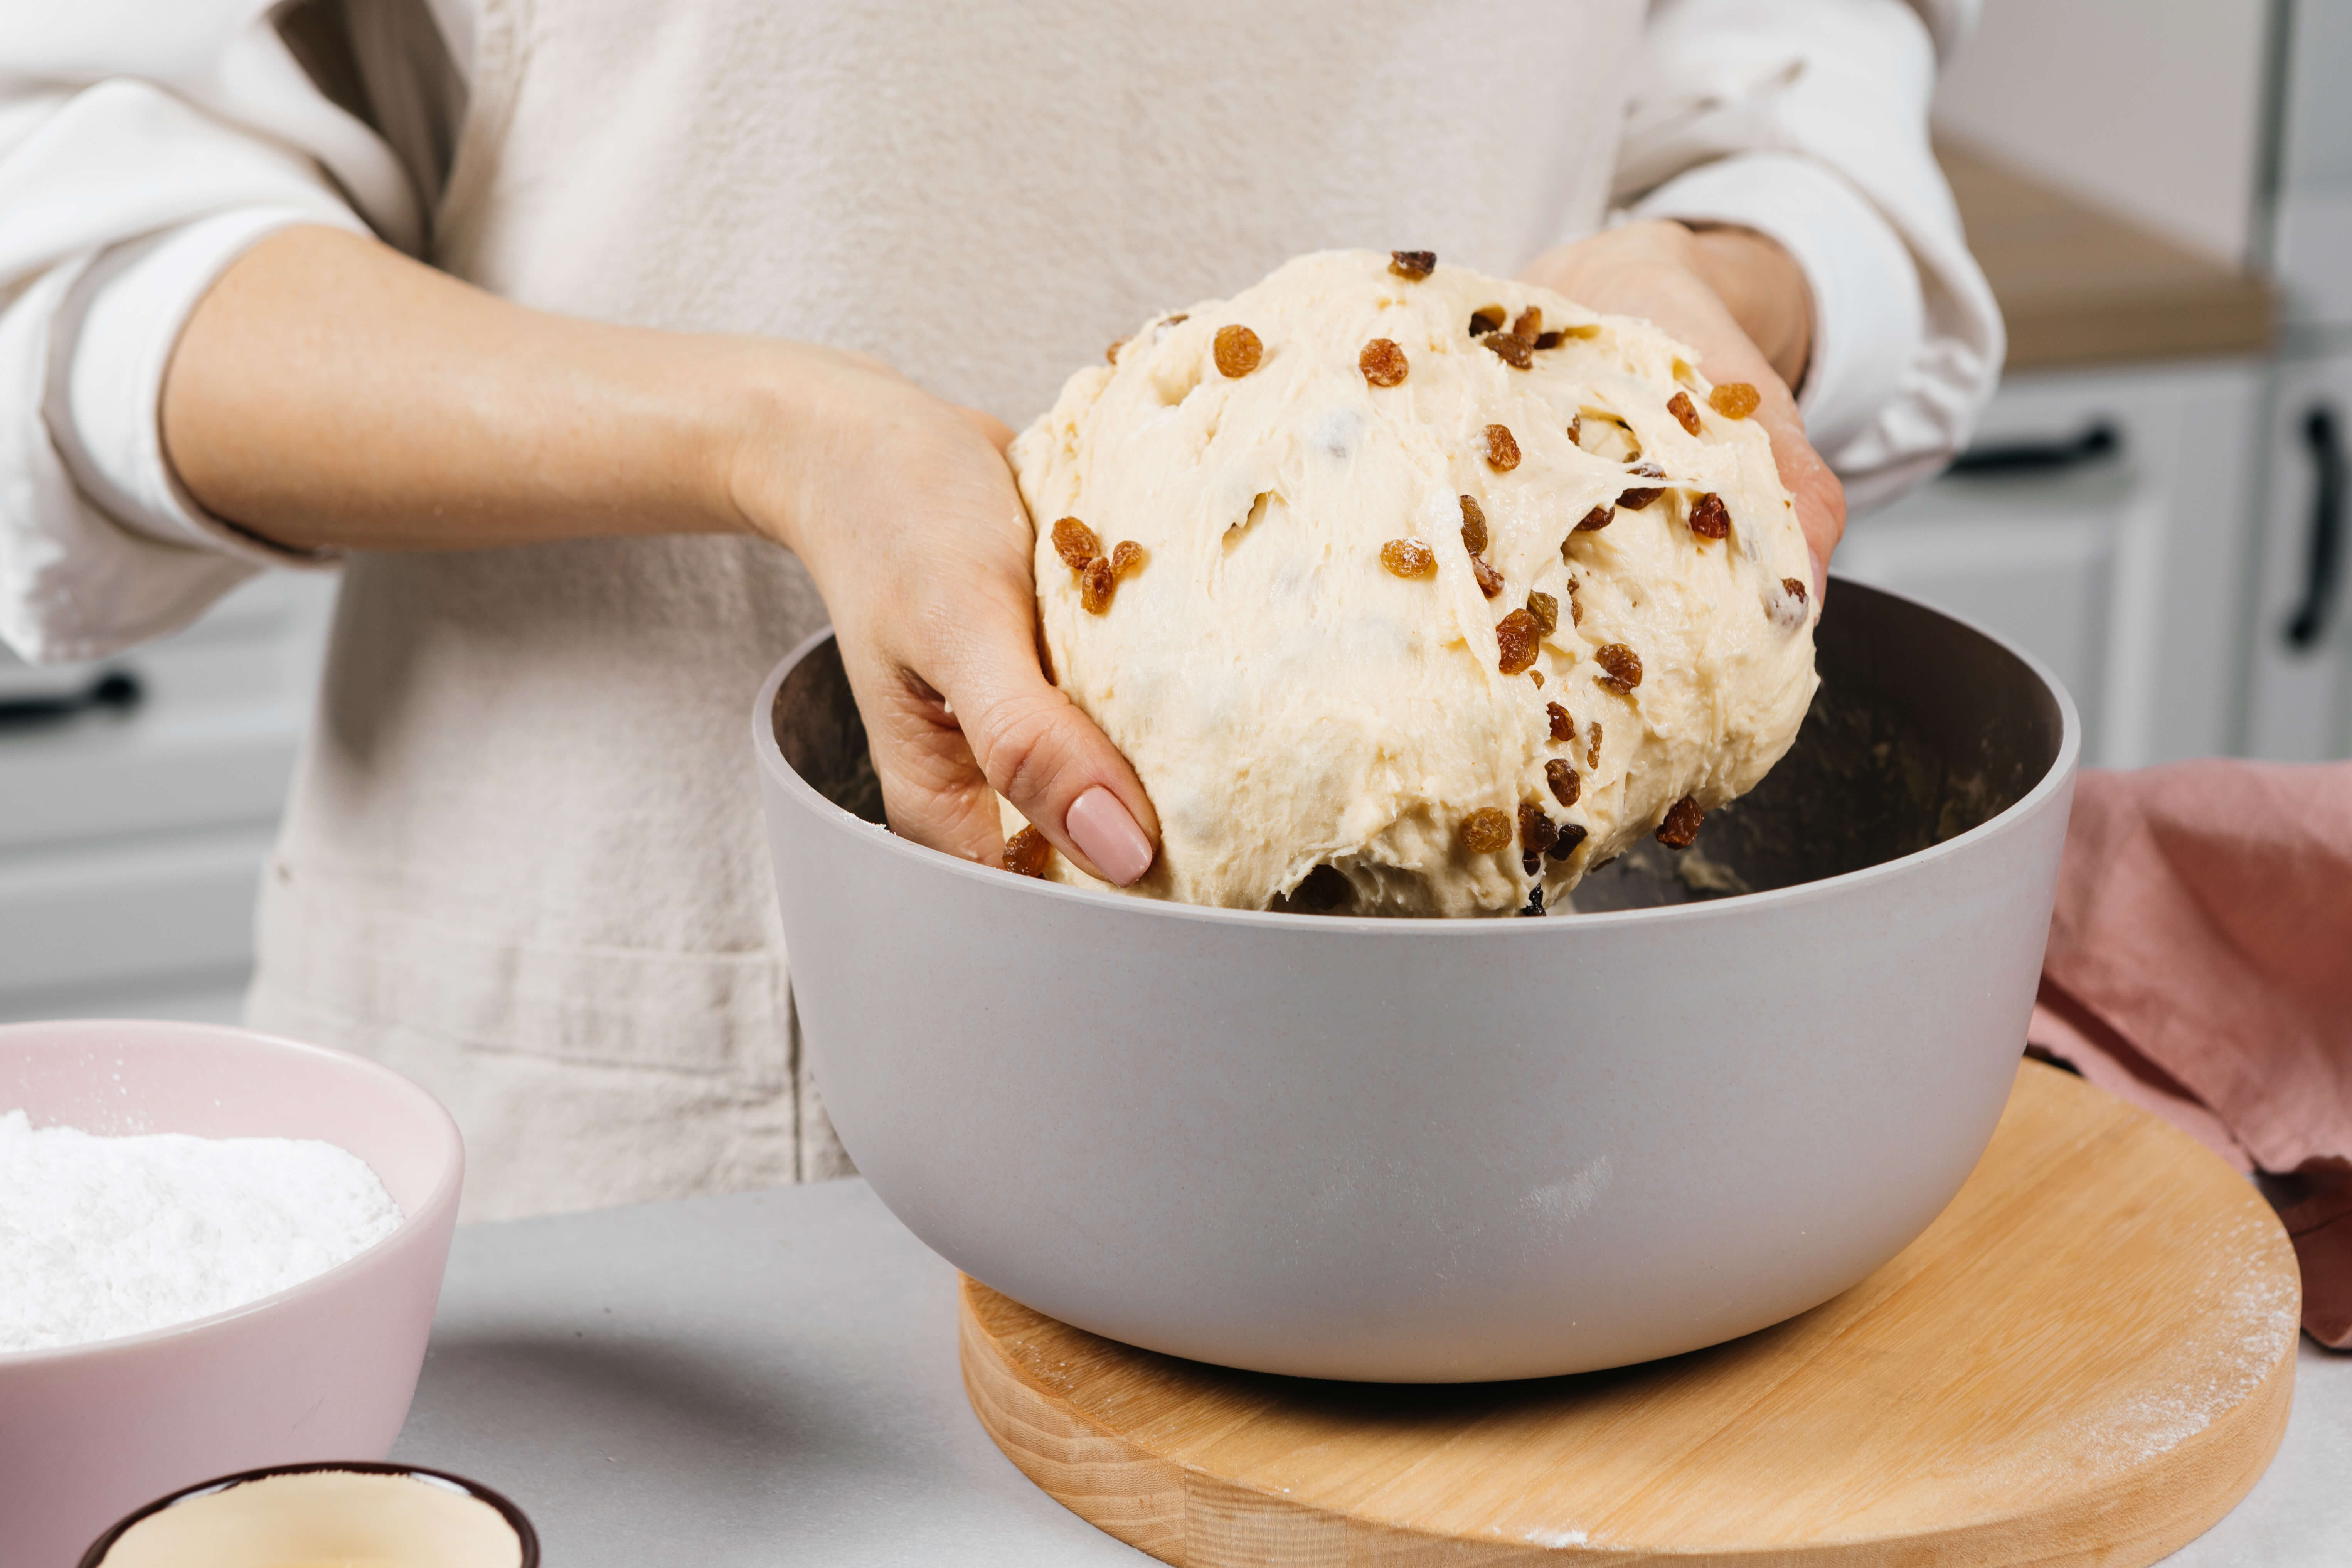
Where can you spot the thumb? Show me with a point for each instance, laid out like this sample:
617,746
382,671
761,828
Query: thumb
1820,497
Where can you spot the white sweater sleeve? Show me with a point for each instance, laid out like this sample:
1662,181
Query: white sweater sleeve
1807,121
144,145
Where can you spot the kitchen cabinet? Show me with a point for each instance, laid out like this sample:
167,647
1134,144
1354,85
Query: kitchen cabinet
2101,522
2300,697
2106,516
134,829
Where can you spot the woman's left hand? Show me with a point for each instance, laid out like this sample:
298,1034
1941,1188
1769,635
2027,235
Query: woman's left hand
1743,303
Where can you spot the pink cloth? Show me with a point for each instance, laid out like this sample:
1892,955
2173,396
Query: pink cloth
2201,965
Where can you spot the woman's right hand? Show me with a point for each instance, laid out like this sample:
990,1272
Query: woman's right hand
904,510
329,393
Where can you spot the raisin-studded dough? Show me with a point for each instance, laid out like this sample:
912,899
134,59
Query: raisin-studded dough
1300,654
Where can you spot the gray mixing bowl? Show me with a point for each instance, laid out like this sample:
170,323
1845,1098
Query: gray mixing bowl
1440,1151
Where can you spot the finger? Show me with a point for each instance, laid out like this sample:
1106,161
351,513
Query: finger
932,790
1819,498
1037,748
999,433
973,716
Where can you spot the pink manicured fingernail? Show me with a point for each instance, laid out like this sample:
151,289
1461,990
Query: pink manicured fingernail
1100,825
1821,579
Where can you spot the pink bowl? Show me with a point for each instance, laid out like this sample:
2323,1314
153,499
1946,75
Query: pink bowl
322,1371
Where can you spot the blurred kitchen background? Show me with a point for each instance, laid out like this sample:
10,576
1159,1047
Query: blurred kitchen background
2161,192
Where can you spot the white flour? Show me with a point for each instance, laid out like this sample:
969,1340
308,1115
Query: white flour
105,1236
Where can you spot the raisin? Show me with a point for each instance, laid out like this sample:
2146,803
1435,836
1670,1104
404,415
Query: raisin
1709,519
1502,448
1529,323
1382,362
1534,906
1485,830
1576,431
1026,852
1548,340
1563,724
1407,558
1126,559
1412,264
1096,586
1679,406
1734,400
1489,320
1566,783
1588,330
1546,610
1490,581
1592,752
1681,826
1593,522
1624,664
1111,353
1075,543
1178,320
1538,832
1793,588
1575,609
1473,526
1636,500
1511,349
1647,470
1519,639
1238,351
1536,676
1571,834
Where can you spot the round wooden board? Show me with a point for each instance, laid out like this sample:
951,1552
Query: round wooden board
2088,1358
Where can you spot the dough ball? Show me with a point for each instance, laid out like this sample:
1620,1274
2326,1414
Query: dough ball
1406,594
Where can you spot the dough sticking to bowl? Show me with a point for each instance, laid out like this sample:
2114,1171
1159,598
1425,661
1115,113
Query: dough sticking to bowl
1445,593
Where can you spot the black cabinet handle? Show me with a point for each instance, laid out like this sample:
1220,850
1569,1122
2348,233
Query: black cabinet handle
2324,555
116,689
2098,441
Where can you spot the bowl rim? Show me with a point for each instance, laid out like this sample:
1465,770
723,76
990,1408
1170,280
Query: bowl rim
517,1520
2057,778
437,1203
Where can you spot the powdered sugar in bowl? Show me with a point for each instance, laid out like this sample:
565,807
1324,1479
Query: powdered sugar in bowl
321,1368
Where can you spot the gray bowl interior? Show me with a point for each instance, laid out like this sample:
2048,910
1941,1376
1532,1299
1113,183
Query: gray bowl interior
1923,729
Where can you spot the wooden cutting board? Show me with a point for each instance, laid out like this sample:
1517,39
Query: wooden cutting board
2088,1358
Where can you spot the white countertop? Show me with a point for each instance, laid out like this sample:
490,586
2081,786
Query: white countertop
771,1378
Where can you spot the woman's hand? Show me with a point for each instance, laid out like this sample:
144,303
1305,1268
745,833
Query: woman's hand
1743,303
329,391
903,509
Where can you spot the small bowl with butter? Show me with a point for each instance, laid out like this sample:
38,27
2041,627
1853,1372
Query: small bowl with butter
298,1516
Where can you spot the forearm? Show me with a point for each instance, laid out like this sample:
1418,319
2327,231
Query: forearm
329,391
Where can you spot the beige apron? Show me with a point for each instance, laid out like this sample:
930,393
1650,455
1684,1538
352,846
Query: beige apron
523,861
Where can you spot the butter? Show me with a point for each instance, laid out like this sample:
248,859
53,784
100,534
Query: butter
323,1519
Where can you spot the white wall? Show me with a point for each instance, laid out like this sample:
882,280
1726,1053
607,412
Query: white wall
2152,108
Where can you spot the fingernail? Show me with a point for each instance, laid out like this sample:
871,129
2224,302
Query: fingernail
1821,579
1099,825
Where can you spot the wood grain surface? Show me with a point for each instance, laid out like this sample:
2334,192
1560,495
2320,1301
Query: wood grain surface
2079,286
2088,1358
